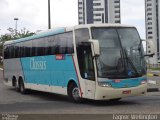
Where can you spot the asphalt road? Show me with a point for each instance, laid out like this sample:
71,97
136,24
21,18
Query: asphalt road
46,103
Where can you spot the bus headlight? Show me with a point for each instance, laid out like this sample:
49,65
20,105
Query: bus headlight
143,82
104,84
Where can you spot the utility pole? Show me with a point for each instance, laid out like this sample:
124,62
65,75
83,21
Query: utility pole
16,19
49,15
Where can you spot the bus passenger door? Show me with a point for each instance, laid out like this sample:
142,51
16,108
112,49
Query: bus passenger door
85,61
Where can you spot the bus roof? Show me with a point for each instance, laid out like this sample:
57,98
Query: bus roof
101,25
39,35
62,30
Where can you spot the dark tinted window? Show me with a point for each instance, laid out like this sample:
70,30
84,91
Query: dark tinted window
57,44
66,43
22,50
6,52
16,50
40,47
51,45
63,43
11,52
28,48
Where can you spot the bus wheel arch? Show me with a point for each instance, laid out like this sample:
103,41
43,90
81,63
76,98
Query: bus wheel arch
73,91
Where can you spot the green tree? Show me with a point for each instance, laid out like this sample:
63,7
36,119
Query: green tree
12,35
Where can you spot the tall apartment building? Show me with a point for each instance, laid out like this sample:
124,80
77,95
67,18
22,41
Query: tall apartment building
99,11
152,11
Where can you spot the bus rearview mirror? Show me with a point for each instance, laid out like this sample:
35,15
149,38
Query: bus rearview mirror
96,47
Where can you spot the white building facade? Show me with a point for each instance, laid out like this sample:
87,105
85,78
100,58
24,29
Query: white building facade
99,11
152,11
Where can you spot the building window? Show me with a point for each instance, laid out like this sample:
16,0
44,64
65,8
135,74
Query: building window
149,4
117,11
150,37
116,6
80,3
117,16
149,32
97,19
96,4
117,21
149,18
98,14
116,1
149,14
149,23
149,28
98,9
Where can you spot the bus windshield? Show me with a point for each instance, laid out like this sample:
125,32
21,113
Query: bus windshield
121,53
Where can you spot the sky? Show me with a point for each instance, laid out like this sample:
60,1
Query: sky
33,14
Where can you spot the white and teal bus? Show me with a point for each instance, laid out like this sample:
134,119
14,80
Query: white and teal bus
99,62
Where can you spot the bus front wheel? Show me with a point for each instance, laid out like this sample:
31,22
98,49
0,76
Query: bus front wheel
74,93
115,100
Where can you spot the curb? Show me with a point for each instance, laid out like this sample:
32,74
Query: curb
156,75
153,90
151,75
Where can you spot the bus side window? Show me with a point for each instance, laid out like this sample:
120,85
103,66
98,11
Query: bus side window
69,43
57,44
12,51
47,47
28,48
40,47
34,48
62,43
16,50
51,45
84,54
6,52
19,50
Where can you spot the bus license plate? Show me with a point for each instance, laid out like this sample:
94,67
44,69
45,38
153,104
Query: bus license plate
127,92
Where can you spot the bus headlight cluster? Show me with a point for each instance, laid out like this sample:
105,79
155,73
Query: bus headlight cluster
104,84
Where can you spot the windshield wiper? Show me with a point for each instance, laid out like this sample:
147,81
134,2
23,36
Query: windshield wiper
131,63
121,64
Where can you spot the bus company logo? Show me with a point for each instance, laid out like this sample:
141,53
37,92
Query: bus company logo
60,57
37,64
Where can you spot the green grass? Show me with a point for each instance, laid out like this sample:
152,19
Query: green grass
154,69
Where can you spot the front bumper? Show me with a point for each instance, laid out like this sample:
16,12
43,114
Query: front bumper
104,93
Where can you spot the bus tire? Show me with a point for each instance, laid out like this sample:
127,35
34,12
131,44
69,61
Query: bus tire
16,85
22,87
115,100
74,93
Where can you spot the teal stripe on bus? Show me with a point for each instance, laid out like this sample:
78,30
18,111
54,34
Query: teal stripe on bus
126,83
46,70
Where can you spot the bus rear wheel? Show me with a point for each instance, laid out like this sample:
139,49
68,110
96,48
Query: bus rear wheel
74,93
22,87
16,86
